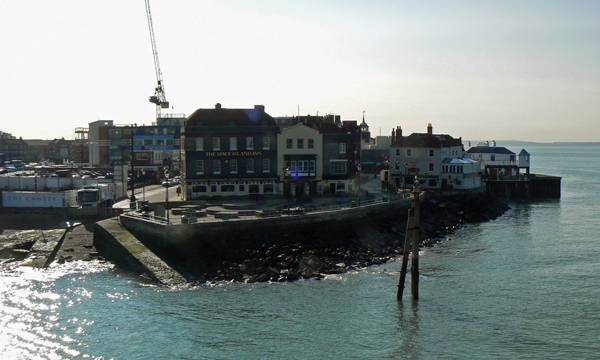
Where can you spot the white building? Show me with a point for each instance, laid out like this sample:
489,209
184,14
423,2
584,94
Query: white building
301,153
421,155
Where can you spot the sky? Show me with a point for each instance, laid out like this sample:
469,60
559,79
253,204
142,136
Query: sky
484,70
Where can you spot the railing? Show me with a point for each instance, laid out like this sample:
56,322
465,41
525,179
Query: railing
293,212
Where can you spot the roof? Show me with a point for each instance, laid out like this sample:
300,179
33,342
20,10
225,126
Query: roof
458,161
219,116
426,140
489,150
523,152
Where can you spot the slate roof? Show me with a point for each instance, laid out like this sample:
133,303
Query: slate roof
221,117
426,140
523,152
489,150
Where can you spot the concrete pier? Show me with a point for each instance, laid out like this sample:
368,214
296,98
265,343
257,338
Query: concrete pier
120,246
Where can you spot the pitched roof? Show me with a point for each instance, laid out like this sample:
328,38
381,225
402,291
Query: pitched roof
489,150
523,152
426,140
219,116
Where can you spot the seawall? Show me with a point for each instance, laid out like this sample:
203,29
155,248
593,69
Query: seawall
287,248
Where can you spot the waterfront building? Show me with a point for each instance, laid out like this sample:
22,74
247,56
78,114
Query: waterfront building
421,155
13,149
230,152
301,153
155,147
341,151
499,162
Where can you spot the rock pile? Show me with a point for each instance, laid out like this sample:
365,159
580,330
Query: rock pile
314,252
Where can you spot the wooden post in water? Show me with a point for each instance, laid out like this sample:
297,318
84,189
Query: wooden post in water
405,251
414,269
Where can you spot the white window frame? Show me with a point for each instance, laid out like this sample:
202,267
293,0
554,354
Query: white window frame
250,166
249,143
199,167
266,163
216,143
341,148
233,143
199,144
233,166
216,166
266,143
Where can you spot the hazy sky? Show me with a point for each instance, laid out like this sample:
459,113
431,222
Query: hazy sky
524,70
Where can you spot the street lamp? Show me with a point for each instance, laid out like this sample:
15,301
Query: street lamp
144,185
167,193
286,171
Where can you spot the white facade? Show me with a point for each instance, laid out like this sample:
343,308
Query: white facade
460,174
94,140
300,151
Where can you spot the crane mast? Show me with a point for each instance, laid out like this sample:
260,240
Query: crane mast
159,98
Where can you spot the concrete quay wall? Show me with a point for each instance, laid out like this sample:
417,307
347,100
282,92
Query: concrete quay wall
186,238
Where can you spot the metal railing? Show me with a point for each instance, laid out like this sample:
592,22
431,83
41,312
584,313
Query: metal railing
284,213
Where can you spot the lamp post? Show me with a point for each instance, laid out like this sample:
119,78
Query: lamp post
286,171
144,185
167,193
404,177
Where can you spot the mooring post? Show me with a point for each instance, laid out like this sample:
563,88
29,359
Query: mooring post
405,251
415,243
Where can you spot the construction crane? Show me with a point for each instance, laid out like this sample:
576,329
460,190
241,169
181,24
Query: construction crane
159,98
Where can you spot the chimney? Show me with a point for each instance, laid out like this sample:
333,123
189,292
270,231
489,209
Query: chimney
260,107
493,143
217,105
429,129
399,131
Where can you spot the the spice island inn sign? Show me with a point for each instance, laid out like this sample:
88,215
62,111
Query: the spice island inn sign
233,153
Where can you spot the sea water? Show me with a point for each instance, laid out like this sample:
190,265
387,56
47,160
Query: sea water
526,286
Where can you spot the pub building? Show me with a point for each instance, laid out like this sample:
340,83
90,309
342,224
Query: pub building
230,152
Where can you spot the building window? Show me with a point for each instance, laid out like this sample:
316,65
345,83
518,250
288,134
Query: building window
249,143
227,188
431,153
313,166
253,189
266,143
141,156
249,165
269,188
266,165
216,143
342,148
311,143
338,167
430,166
242,188
300,144
199,167
216,166
408,152
233,143
397,152
303,166
293,167
288,143
233,166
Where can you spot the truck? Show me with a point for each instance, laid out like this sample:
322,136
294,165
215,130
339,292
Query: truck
96,195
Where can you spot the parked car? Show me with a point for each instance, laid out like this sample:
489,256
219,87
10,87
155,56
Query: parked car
168,183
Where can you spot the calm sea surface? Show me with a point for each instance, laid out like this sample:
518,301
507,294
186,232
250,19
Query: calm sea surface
526,286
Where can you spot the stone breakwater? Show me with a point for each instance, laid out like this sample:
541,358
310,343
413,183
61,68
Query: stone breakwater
312,252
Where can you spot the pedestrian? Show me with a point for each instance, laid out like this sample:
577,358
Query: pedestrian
178,190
